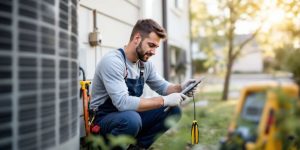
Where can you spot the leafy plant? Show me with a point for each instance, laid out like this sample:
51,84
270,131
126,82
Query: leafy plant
99,143
287,120
292,64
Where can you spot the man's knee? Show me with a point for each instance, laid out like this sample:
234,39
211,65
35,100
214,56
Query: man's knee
130,123
173,115
176,112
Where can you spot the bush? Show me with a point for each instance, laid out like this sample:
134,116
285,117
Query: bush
292,64
199,66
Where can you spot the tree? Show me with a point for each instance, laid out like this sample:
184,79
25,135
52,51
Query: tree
283,38
217,26
291,28
292,64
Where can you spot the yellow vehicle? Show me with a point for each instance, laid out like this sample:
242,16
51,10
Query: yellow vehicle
259,119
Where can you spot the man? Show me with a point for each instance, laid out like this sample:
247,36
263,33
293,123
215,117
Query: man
118,85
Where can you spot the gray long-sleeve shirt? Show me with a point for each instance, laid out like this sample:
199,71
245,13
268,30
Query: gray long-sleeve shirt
109,81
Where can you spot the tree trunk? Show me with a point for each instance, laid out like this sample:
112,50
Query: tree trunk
297,80
227,81
230,56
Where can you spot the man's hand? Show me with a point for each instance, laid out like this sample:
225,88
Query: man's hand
192,92
185,84
174,99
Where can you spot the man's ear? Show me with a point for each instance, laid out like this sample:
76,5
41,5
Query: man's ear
137,38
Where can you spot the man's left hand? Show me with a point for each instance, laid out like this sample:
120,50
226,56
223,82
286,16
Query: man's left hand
185,84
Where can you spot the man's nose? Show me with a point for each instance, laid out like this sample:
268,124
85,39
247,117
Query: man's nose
152,51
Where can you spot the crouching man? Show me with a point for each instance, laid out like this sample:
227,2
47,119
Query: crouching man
119,82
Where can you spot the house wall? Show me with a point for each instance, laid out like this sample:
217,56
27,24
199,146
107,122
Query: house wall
251,59
179,31
115,19
178,24
251,63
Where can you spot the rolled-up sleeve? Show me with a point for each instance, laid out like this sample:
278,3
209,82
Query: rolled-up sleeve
112,73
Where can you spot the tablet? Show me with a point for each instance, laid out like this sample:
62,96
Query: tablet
188,89
191,86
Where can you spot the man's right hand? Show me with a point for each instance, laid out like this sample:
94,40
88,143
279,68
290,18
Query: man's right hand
174,99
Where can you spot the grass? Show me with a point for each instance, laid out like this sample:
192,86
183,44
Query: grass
213,121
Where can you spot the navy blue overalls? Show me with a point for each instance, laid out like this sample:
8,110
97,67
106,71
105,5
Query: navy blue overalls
144,126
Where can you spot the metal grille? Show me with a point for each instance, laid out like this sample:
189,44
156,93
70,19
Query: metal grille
38,73
5,75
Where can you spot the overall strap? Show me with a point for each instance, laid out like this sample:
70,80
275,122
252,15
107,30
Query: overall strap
142,68
126,71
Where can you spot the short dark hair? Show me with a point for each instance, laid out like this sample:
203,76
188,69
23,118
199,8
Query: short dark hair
146,26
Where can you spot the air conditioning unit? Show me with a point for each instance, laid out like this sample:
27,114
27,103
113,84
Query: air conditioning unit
38,74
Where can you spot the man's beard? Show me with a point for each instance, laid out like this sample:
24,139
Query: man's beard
139,52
